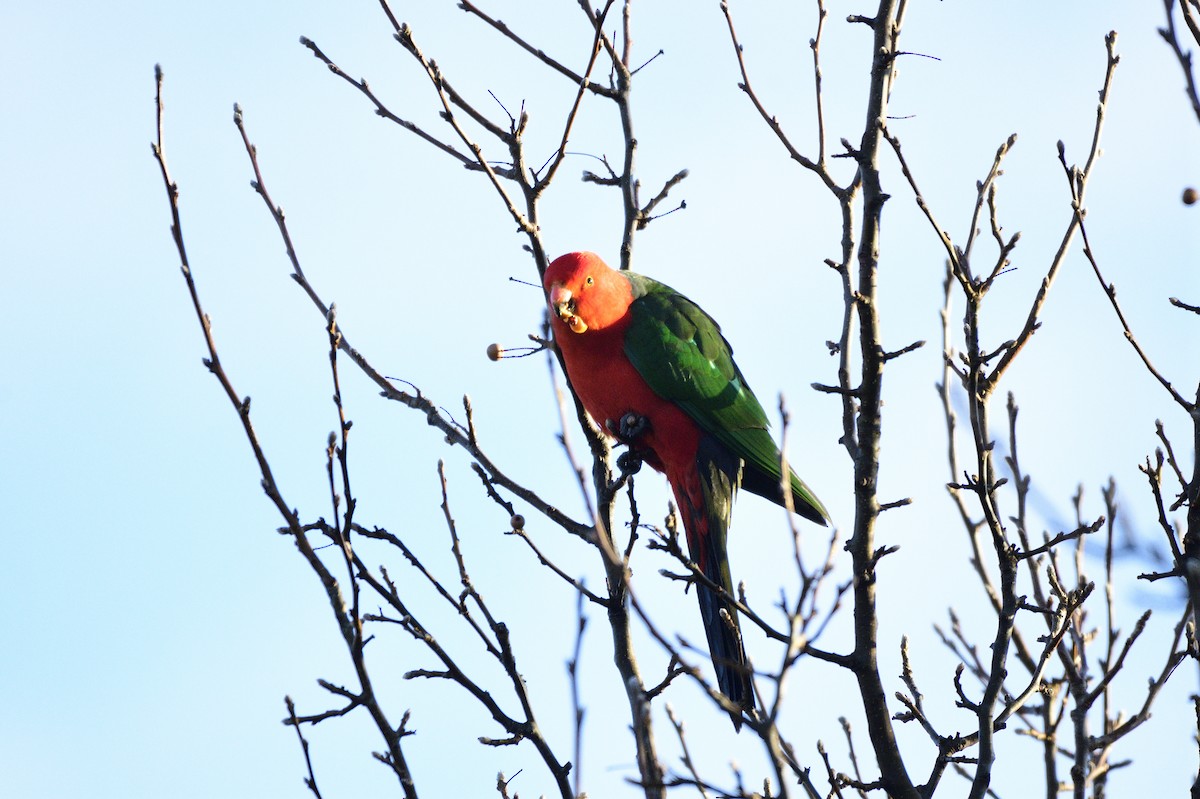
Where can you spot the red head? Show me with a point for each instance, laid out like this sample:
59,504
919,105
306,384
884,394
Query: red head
584,293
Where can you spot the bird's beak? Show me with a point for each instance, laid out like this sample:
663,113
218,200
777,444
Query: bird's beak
563,305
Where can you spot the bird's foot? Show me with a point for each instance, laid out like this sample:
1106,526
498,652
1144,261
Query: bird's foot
630,427
629,463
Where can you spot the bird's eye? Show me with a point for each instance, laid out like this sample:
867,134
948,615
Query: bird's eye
589,280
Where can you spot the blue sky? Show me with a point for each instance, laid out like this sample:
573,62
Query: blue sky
153,619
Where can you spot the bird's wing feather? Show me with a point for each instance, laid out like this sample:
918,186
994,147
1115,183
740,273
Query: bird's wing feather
679,351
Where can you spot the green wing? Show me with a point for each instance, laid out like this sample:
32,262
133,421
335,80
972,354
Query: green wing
679,351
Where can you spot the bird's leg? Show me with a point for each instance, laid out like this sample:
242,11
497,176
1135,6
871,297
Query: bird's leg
629,462
627,431
632,426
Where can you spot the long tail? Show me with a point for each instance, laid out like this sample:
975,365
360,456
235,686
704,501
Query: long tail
705,497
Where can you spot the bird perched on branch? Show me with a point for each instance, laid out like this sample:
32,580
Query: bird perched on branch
653,370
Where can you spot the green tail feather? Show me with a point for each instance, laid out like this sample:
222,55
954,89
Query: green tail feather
707,528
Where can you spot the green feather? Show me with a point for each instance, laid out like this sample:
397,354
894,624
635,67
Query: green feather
679,351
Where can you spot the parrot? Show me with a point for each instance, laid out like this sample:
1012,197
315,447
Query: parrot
654,372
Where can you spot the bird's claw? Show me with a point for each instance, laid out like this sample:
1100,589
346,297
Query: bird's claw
629,462
630,427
